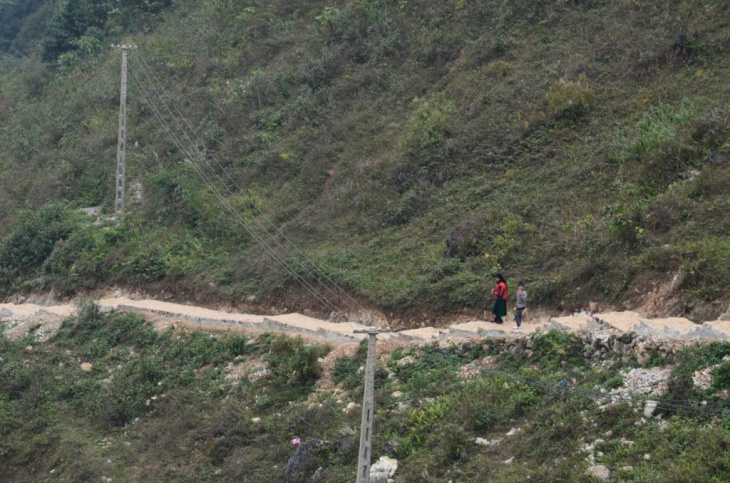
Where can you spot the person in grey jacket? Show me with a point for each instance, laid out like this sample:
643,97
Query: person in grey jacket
520,305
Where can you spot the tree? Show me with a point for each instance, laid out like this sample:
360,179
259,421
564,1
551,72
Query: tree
15,13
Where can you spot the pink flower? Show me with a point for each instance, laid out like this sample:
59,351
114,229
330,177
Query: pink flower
295,441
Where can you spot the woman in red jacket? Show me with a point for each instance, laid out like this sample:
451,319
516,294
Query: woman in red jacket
500,299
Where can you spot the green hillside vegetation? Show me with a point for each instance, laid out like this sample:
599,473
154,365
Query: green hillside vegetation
580,146
109,398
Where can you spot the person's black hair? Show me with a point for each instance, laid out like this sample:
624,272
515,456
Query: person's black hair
520,284
500,277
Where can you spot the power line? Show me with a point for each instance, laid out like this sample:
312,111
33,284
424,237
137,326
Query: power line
342,296
187,154
160,90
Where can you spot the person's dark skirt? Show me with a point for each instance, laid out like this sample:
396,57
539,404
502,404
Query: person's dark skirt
499,309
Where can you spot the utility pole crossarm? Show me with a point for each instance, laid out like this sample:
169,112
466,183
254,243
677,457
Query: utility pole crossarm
368,405
122,136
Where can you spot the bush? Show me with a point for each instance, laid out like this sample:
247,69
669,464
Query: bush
347,369
556,348
32,239
292,361
570,99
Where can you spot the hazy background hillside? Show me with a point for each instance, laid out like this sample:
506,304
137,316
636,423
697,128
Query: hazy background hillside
580,146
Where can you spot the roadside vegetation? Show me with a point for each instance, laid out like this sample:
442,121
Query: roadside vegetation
579,146
109,397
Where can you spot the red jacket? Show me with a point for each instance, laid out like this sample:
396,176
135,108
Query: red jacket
500,291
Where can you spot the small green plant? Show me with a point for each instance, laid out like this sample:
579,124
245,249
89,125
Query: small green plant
349,370
294,362
570,100
557,348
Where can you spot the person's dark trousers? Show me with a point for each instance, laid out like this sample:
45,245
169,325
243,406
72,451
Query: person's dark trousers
518,317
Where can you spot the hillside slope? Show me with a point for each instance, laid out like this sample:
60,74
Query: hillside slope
579,146
115,397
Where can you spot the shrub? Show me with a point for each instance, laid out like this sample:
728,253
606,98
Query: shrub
570,99
292,361
347,369
556,347
498,68
429,124
32,240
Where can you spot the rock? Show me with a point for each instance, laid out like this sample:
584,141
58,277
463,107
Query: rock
86,367
390,447
509,461
346,445
347,431
405,361
255,420
647,457
381,373
262,374
702,379
352,407
383,469
320,474
304,459
649,408
599,473
483,442
402,406
463,347
397,394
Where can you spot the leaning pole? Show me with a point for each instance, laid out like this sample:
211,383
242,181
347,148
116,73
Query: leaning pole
368,406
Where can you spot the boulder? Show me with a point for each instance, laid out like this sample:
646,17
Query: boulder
383,469
305,460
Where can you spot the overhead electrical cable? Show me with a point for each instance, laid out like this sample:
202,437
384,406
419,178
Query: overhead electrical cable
288,248
190,159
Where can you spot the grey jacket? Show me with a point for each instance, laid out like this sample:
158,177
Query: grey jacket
521,300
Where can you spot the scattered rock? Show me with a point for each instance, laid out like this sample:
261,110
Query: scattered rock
599,473
383,469
649,408
304,459
390,447
347,431
702,379
405,361
346,445
647,457
352,407
86,367
255,420
320,474
509,461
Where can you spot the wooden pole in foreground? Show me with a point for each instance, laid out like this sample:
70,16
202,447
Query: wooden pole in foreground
368,406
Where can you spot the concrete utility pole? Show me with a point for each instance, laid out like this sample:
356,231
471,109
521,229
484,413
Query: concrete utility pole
368,407
122,136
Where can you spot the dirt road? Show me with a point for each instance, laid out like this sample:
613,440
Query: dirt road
22,319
